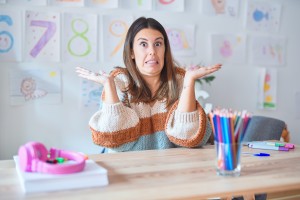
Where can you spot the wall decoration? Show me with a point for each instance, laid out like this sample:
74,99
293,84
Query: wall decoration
221,7
42,36
169,5
67,3
90,94
10,36
228,48
266,50
137,4
104,4
40,85
267,89
182,39
114,33
80,37
263,16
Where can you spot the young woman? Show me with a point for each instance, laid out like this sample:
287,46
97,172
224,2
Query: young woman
151,103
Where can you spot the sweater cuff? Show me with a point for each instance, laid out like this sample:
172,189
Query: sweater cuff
186,117
116,108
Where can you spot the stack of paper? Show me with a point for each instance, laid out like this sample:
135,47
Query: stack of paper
93,175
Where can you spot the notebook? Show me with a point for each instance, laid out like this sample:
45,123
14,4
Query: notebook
93,175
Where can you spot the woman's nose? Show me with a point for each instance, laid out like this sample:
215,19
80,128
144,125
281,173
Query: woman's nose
152,51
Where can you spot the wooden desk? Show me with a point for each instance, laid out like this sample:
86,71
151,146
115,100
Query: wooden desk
174,174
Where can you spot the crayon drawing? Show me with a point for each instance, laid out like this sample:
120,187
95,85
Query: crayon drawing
228,48
263,16
182,39
27,2
267,89
221,7
169,5
267,50
80,38
42,36
137,4
67,3
10,36
90,94
38,86
102,4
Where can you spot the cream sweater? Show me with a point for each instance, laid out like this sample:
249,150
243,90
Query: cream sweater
129,126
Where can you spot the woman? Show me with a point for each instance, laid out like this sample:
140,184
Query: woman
151,103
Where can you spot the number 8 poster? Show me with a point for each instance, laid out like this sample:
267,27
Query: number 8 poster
42,41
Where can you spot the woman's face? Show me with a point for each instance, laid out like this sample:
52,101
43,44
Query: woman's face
149,52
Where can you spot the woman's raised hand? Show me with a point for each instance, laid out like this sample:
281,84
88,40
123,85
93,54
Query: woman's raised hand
199,72
100,77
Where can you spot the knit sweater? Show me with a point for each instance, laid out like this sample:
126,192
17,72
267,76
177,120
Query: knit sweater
127,126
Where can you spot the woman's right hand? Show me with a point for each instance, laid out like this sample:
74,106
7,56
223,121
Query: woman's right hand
100,77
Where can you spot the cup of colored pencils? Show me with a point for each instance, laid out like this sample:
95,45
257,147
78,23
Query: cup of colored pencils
229,128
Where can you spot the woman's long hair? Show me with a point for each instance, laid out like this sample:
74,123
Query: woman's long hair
138,88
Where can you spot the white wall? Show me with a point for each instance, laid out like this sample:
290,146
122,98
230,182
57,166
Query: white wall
66,125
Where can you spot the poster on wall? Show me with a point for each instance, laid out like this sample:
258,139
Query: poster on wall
182,39
102,4
42,36
90,95
80,38
266,50
228,48
10,36
267,89
228,8
136,4
66,3
27,2
169,5
263,16
35,86
114,33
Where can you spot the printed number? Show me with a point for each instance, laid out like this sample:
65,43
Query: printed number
50,31
118,29
166,1
6,38
79,35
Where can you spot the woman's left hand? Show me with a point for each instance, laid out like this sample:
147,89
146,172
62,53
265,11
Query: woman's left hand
198,72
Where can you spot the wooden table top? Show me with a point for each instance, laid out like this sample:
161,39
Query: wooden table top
173,174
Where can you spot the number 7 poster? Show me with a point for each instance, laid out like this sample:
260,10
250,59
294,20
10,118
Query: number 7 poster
42,41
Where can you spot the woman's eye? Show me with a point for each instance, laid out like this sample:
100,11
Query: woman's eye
143,44
158,44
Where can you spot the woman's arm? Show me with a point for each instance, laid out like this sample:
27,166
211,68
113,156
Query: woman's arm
187,100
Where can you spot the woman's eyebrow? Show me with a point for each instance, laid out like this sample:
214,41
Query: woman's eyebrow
159,38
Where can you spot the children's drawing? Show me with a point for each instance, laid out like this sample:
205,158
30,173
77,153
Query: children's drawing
35,86
263,16
29,90
80,37
27,2
90,94
169,5
10,36
70,3
267,50
42,36
267,89
181,39
228,48
221,7
102,4
114,33
137,4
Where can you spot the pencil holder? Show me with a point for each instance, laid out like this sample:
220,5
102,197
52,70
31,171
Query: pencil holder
228,161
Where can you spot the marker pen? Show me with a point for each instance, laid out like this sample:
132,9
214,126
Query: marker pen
265,146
